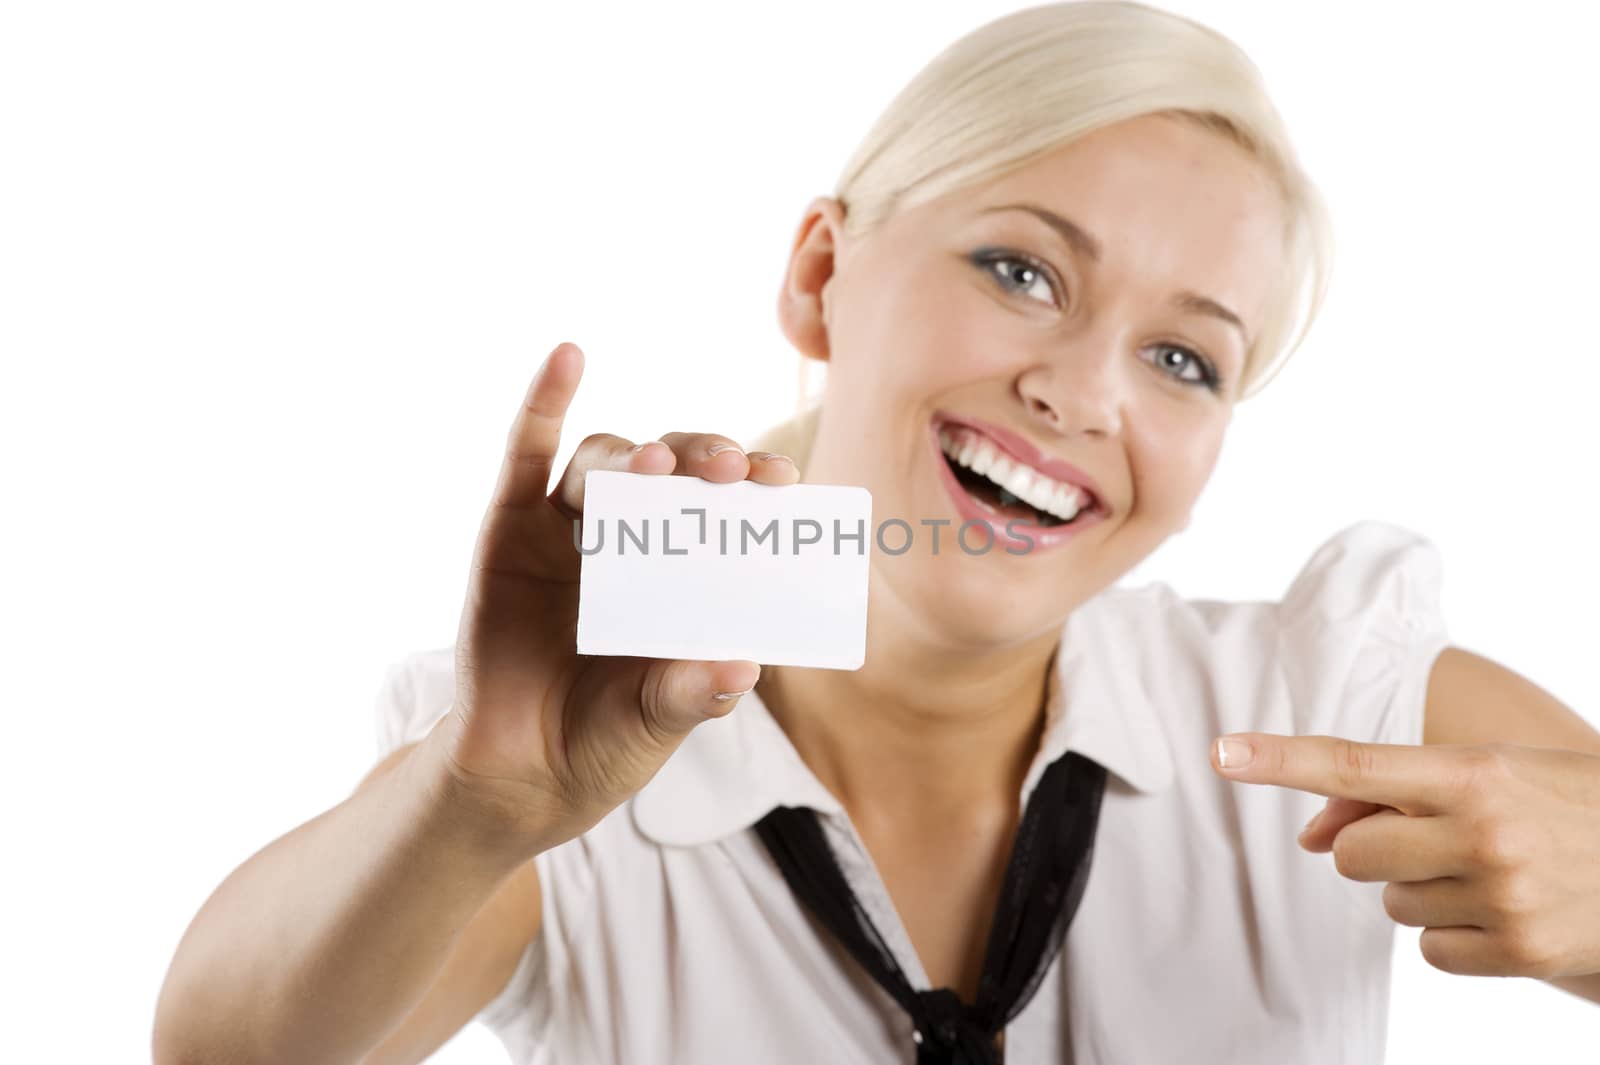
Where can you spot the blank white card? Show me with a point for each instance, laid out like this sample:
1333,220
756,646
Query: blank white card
679,567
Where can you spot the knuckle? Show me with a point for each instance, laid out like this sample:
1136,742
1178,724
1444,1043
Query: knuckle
596,447
1512,896
1395,903
1488,766
1430,946
1498,754
652,705
699,439
1495,844
1529,953
1347,858
1352,762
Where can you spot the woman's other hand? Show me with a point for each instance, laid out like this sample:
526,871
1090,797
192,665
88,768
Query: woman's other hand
1491,849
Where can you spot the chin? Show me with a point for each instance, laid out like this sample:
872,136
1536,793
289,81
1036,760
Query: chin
974,605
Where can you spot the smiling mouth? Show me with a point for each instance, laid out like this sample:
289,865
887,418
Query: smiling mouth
986,491
1012,488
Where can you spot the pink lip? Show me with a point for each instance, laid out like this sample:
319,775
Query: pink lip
1034,537
1019,448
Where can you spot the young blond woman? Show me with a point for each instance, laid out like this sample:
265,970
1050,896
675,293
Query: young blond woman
1068,248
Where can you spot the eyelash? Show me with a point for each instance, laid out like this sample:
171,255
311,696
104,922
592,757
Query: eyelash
1209,378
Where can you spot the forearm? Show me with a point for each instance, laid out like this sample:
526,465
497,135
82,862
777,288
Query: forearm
1583,986
317,946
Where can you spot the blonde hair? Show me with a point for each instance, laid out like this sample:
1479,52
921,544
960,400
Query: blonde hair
1028,83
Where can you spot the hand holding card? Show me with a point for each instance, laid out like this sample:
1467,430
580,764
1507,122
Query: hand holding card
543,741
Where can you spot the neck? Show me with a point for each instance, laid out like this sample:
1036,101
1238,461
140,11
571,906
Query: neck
918,732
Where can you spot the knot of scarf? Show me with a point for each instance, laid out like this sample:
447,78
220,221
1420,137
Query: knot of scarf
949,1032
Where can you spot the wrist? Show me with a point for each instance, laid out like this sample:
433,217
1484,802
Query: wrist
501,825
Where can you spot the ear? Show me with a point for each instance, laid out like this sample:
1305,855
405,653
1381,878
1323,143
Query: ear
804,313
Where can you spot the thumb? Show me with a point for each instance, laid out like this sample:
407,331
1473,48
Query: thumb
679,694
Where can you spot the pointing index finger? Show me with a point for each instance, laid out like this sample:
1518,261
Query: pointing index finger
1413,780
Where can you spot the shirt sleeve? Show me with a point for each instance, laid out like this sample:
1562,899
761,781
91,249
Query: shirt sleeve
1359,629
417,690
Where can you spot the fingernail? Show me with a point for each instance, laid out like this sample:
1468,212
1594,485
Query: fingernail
725,696
717,449
1234,754
641,447
1304,832
771,456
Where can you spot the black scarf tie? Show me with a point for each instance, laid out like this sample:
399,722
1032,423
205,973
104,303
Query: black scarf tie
1044,883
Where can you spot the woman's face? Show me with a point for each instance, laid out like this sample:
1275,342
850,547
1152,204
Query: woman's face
1095,346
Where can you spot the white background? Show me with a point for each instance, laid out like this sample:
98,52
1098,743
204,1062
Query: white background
273,278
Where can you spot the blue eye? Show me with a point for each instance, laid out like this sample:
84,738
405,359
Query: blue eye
1008,279
1209,377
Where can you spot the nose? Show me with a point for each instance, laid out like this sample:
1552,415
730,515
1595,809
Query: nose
1072,396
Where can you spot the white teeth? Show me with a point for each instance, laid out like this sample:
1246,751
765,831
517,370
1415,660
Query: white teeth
1021,484
1068,502
979,455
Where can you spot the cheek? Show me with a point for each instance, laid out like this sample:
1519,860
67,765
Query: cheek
921,330
1172,460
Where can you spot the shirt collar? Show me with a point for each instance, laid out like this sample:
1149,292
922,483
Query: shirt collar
730,771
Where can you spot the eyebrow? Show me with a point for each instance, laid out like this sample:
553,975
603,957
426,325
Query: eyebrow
1079,239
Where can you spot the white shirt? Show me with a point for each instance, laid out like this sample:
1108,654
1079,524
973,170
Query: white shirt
1205,933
